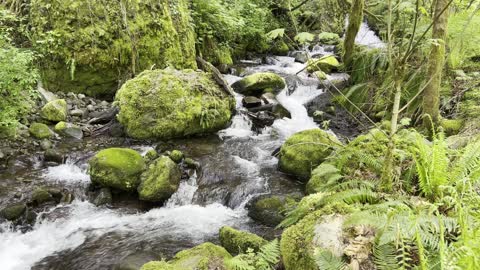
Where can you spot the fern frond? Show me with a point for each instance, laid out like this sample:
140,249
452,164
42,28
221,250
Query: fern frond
326,260
270,252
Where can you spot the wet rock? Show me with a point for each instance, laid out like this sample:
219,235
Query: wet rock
69,130
46,144
118,168
103,197
258,83
262,119
205,256
235,241
192,164
46,95
103,117
150,155
280,48
13,211
90,108
176,155
40,131
136,260
326,64
337,81
269,209
251,102
77,112
165,104
55,111
52,155
300,56
305,150
67,198
40,196
81,96
160,181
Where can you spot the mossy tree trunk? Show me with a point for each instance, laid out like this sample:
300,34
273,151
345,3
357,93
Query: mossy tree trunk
431,95
354,22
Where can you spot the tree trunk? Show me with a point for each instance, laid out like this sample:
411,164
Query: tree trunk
354,22
431,95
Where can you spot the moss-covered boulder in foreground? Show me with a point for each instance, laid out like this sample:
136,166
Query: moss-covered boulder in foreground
256,84
206,256
89,47
55,110
326,64
160,180
305,150
40,131
235,241
118,168
170,103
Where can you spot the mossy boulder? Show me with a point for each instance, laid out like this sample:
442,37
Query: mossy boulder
256,84
157,265
270,209
118,168
280,47
55,110
322,176
177,156
160,180
451,126
203,257
40,131
305,150
316,230
69,130
235,241
326,64
13,211
40,196
328,38
99,45
171,103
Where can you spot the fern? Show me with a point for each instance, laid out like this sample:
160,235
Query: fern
326,260
265,259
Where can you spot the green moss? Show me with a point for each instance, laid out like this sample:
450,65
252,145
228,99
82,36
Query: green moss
176,156
321,176
280,47
160,181
305,150
203,257
118,168
157,265
41,195
326,64
451,126
270,210
329,38
235,241
169,103
90,47
258,83
320,75
150,155
55,110
13,211
68,130
40,131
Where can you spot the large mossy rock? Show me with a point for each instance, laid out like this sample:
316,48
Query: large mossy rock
160,181
55,110
305,150
69,130
256,84
235,241
170,103
316,231
40,131
13,211
118,168
90,47
326,64
270,209
206,256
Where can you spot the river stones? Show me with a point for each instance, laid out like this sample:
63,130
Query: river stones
55,110
270,209
40,196
104,196
326,64
118,168
203,257
258,83
160,180
69,130
13,211
176,155
280,47
304,151
251,102
235,241
171,103
40,131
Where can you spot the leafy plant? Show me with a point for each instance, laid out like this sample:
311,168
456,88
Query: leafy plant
326,260
265,259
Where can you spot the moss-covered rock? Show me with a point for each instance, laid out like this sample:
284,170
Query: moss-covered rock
203,257
157,265
328,38
90,47
326,64
69,130
169,103
270,210
41,195
235,241
40,131
118,168
320,75
280,47
321,177
55,110
160,180
176,155
13,211
451,126
305,150
256,84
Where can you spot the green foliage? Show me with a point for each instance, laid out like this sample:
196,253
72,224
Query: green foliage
326,260
275,34
265,259
463,37
304,38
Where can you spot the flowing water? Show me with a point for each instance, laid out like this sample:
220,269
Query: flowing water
236,165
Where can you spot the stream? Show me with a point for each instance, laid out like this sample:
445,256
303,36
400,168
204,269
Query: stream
236,165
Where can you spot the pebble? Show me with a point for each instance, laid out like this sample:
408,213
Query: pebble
81,96
77,112
90,108
104,103
46,144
